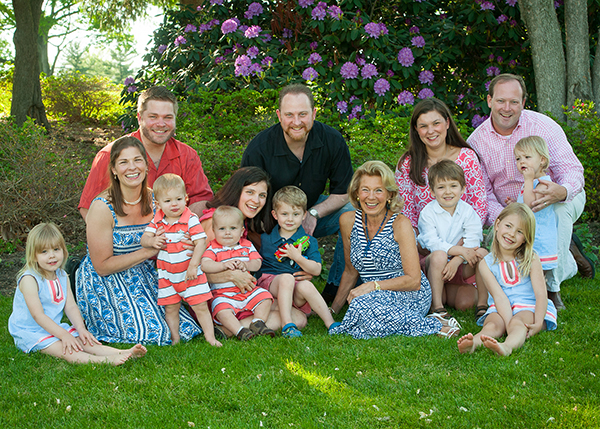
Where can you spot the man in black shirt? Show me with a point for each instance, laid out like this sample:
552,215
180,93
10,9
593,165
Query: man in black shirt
306,153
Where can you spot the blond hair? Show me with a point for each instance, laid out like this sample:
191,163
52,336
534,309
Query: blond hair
225,211
168,182
535,144
375,168
290,195
524,253
42,236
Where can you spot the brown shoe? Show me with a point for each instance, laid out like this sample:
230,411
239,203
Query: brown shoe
260,328
584,264
555,298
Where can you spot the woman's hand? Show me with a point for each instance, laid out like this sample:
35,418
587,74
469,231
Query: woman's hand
363,289
243,280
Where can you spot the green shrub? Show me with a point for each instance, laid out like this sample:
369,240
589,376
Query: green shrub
39,182
583,132
5,92
80,98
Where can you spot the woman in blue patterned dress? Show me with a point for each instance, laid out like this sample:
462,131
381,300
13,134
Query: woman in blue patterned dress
380,247
117,286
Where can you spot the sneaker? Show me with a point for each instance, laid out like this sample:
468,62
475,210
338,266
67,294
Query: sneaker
333,326
291,331
260,328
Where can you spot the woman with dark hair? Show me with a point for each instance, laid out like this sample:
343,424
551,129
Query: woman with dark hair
248,189
117,287
434,136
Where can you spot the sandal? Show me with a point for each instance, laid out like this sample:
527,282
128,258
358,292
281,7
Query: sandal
291,331
245,334
219,333
450,333
446,320
480,310
260,328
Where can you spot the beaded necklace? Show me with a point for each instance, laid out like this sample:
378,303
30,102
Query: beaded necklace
367,231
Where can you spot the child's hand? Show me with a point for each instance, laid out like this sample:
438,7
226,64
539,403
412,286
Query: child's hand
450,269
294,253
230,265
240,265
192,272
71,344
470,255
533,329
528,173
509,200
87,338
159,240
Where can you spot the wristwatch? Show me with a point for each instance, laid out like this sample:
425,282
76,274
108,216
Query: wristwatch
314,213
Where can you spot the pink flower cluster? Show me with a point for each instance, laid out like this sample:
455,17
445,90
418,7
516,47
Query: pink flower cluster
487,5
493,71
426,77
375,29
314,58
342,106
229,26
309,74
381,87
319,12
252,31
305,3
478,120
254,9
425,93
180,40
252,52
405,57
190,28
335,12
418,41
217,2
406,97
368,71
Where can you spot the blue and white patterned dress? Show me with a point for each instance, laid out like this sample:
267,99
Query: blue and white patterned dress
385,312
122,307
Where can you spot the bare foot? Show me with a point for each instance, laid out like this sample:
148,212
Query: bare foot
119,359
493,344
215,343
465,344
137,351
174,340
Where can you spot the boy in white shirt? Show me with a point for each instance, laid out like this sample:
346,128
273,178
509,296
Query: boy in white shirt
450,233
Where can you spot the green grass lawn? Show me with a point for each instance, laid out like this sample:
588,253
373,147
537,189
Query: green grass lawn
319,381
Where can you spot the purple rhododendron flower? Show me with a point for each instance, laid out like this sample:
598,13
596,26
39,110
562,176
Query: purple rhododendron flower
355,112
314,45
128,81
329,63
335,12
491,57
243,28
381,87
406,97
487,85
349,70
219,60
252,52
390,73
426,77
368,71
314,58
132,88
318,13
511,2
502,18
360,61
414,30
305,3
254,9
266,38
252,32
217,2
418,41
478,120
425,93
352,98
287,33
256,69
500,60
203,28
493,71
373,30
161,49
459,98
405,57
229,26
190,28
342,106
512,23
180,40
309,74
487,5
267,61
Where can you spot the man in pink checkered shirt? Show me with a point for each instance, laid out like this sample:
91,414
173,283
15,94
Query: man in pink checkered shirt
494,142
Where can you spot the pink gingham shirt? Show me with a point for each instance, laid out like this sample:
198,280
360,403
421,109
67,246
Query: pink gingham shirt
499,168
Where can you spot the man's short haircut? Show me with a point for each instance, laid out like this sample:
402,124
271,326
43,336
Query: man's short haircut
295,89
445,170
507,77
227,211
290,195
159,93
167,182
535,144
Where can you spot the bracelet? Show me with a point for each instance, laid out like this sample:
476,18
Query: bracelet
377,287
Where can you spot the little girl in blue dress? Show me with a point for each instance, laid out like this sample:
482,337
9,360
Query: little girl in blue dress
512,272
42,296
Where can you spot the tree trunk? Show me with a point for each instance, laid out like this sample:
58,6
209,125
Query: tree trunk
27,92
579,80
42,46
548,55
596,77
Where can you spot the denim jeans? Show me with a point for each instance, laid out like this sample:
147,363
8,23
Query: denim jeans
328,225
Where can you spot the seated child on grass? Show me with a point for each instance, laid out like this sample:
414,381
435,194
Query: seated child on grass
179,276
228,251
286,250
450,230
513,275
43,295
